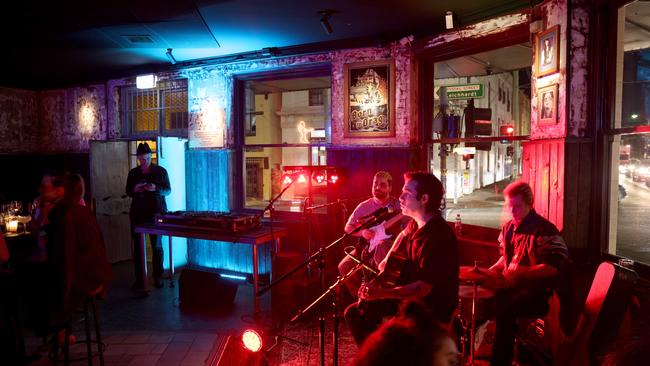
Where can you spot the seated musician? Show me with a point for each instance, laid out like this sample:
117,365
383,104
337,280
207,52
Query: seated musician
429,262
374,247
532,251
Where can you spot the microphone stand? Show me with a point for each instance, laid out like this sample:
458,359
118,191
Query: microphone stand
320,255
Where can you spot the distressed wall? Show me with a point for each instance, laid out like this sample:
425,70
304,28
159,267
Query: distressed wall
19,122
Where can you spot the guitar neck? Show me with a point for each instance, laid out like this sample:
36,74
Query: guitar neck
393,220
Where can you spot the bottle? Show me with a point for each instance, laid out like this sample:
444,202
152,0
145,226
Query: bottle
458,226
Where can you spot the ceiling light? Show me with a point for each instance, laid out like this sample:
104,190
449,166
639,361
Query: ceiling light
170,56
449,20
325,21
146,81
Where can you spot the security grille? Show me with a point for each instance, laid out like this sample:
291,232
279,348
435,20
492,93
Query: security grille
157,111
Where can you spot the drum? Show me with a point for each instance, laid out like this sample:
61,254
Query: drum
484,303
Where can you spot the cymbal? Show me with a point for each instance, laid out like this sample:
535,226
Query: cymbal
476,274
467,291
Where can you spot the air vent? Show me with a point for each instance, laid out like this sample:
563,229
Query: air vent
139,38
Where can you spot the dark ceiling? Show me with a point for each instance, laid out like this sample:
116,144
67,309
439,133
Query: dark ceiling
49,44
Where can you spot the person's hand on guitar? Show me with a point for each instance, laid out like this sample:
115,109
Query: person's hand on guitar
367,234
373,291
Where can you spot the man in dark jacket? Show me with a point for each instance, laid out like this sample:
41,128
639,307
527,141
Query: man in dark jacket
147,185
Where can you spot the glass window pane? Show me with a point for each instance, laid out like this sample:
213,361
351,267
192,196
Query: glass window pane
481,95
474,176
630,182
266,168
280,111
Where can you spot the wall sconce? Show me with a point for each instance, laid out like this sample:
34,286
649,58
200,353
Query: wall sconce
146,81
449,20
170,56
325,21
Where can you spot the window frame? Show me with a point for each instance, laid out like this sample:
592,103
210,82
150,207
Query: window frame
238,198
127,122
602,110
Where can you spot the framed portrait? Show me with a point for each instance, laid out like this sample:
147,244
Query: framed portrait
369,109
547,101
548,51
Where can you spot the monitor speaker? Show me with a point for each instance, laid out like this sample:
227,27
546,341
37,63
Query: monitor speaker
204,290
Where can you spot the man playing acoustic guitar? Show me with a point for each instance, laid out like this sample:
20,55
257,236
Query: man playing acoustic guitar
378,244
428,252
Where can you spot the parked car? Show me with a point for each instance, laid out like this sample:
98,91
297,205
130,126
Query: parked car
641,172
628,168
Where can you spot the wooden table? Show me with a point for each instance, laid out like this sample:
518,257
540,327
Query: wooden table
254,237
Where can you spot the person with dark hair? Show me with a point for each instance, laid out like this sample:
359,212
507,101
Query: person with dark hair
429,262
372,247
532,251
412,338
147,185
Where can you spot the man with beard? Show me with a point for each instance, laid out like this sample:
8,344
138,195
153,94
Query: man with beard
382,184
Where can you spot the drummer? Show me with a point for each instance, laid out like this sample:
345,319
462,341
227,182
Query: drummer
532,251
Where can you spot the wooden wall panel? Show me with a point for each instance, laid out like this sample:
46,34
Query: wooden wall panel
358,165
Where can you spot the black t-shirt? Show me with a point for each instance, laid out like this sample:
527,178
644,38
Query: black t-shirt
145,205
432,253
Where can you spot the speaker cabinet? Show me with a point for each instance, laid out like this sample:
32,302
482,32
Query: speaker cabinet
203,291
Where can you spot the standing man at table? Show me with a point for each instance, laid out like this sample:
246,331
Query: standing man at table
147,185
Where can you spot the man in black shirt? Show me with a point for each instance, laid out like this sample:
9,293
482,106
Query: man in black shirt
147,185
430,267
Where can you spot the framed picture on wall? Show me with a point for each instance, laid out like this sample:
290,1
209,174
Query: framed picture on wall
547,100
548,51
369,109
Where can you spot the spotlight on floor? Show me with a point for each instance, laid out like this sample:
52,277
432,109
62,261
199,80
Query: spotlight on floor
243,349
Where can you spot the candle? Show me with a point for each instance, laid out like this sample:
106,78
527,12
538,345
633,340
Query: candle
12,226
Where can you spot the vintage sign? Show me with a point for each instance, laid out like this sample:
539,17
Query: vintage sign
467,91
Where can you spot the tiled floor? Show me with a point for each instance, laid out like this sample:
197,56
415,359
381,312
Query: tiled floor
151,330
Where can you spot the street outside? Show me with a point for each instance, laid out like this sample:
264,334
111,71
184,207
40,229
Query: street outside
633,230
484,207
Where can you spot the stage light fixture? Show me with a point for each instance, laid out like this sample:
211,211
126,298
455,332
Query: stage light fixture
287,179
170,56
302,178
333,177
252,340
319,177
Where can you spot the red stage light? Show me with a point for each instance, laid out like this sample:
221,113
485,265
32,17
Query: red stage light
252,340
287,180
333,178
319,177
301,178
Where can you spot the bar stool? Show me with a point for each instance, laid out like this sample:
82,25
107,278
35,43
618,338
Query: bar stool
88,305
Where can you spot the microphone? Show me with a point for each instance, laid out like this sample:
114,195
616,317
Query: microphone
378,212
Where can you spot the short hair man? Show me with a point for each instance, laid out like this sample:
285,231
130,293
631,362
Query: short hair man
382,185
430,262
147,185
532,251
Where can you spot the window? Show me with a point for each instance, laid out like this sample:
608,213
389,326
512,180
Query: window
629,213
476,98
159,111
286,123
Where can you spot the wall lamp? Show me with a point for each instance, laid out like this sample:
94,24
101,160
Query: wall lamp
325,21
170,56
449,20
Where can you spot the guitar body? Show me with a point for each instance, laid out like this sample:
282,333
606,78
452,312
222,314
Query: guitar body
394,264
601,316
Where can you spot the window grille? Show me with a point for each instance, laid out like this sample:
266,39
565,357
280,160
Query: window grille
157,111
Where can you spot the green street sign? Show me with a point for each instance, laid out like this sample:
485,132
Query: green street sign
466,91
